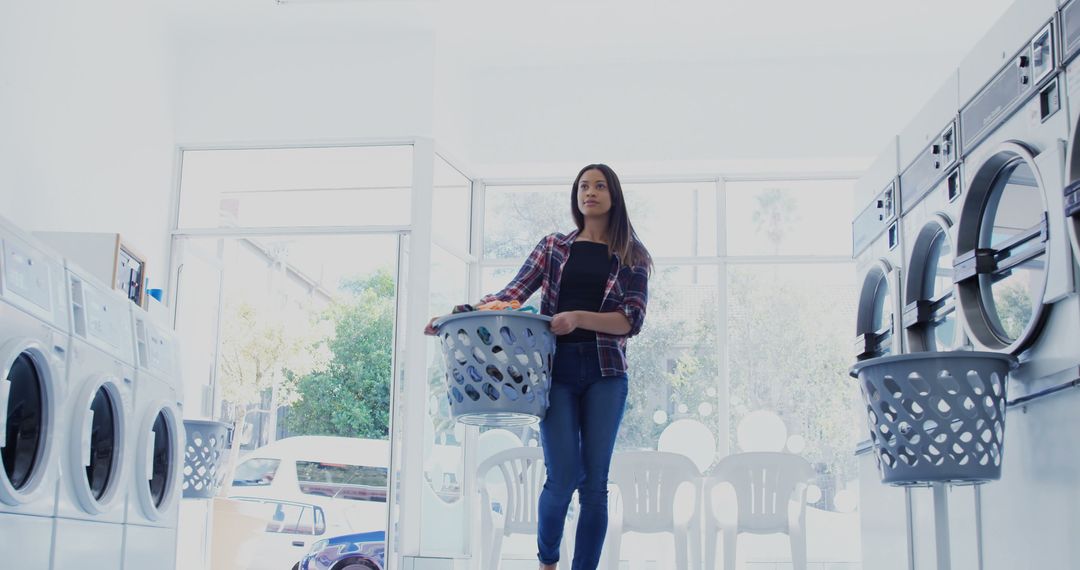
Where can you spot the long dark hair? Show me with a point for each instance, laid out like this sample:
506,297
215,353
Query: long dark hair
622,239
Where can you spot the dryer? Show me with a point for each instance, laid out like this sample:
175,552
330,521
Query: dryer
95,455
1014,260
878,259
876,239
157,440
1016,281
931,184
1070,32
33,346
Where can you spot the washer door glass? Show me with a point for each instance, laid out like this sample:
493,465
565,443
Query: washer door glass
24,426
938,286
103,443
881,321
161,462
1010,224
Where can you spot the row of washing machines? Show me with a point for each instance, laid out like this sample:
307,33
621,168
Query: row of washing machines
91,444
968,240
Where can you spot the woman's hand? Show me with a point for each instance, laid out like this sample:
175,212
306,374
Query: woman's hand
565,323
430,329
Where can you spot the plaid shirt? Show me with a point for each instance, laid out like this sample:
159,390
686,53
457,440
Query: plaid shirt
627,291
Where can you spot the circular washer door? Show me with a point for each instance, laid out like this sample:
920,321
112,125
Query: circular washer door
876,320
160,462
1002,240
931,321
98,446
1072,213
27,404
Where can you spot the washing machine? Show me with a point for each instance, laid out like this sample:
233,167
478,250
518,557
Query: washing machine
95,455
157,440
878,253
931,184
878,259
33,373
1014,261
1016,282
1070,32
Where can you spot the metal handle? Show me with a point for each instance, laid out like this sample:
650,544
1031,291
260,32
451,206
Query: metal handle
298,543
150,456
88,428
5,392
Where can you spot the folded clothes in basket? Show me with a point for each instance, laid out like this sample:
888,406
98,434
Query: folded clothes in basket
494,306
499,306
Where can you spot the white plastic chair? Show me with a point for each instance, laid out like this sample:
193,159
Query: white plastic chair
650,488
770,497
523,473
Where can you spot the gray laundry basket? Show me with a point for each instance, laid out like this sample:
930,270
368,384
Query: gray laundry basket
204,458
498,366
936,416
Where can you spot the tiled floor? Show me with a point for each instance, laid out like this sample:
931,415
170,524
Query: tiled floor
531,565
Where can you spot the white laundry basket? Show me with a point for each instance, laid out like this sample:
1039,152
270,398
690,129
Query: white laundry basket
498,366
936,416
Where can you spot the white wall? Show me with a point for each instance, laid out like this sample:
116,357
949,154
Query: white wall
245,86
85,108
94,98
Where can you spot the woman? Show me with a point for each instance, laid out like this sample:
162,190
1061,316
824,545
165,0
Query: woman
595,288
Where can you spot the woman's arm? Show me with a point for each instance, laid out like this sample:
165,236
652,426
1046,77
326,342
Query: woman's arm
614,323
528,278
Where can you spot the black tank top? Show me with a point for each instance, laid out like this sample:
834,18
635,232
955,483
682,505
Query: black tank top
584,278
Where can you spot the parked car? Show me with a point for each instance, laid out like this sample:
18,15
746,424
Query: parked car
362,551
291,528
347,477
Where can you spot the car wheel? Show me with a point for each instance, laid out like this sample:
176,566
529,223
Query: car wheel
296,566
356,564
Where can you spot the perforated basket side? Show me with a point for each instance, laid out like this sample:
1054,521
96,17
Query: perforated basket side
936,416
204,457
498,366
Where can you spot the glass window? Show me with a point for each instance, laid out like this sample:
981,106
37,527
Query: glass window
333,186
24,420
671,219
789,356
883,308
296,518
938,287
674,365
787,327
493,279
444,515
1014,210
449,279
451,203
355,482
516,217
674,219
804,217
256,473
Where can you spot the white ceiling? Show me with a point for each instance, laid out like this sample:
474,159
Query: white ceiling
501,32
497,61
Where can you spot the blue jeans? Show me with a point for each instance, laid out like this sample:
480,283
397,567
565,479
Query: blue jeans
578,437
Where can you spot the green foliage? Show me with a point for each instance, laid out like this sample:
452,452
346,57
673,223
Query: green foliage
259,352
351,396
1013,308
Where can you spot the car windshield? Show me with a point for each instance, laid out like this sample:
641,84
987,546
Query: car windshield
256,472
354,482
